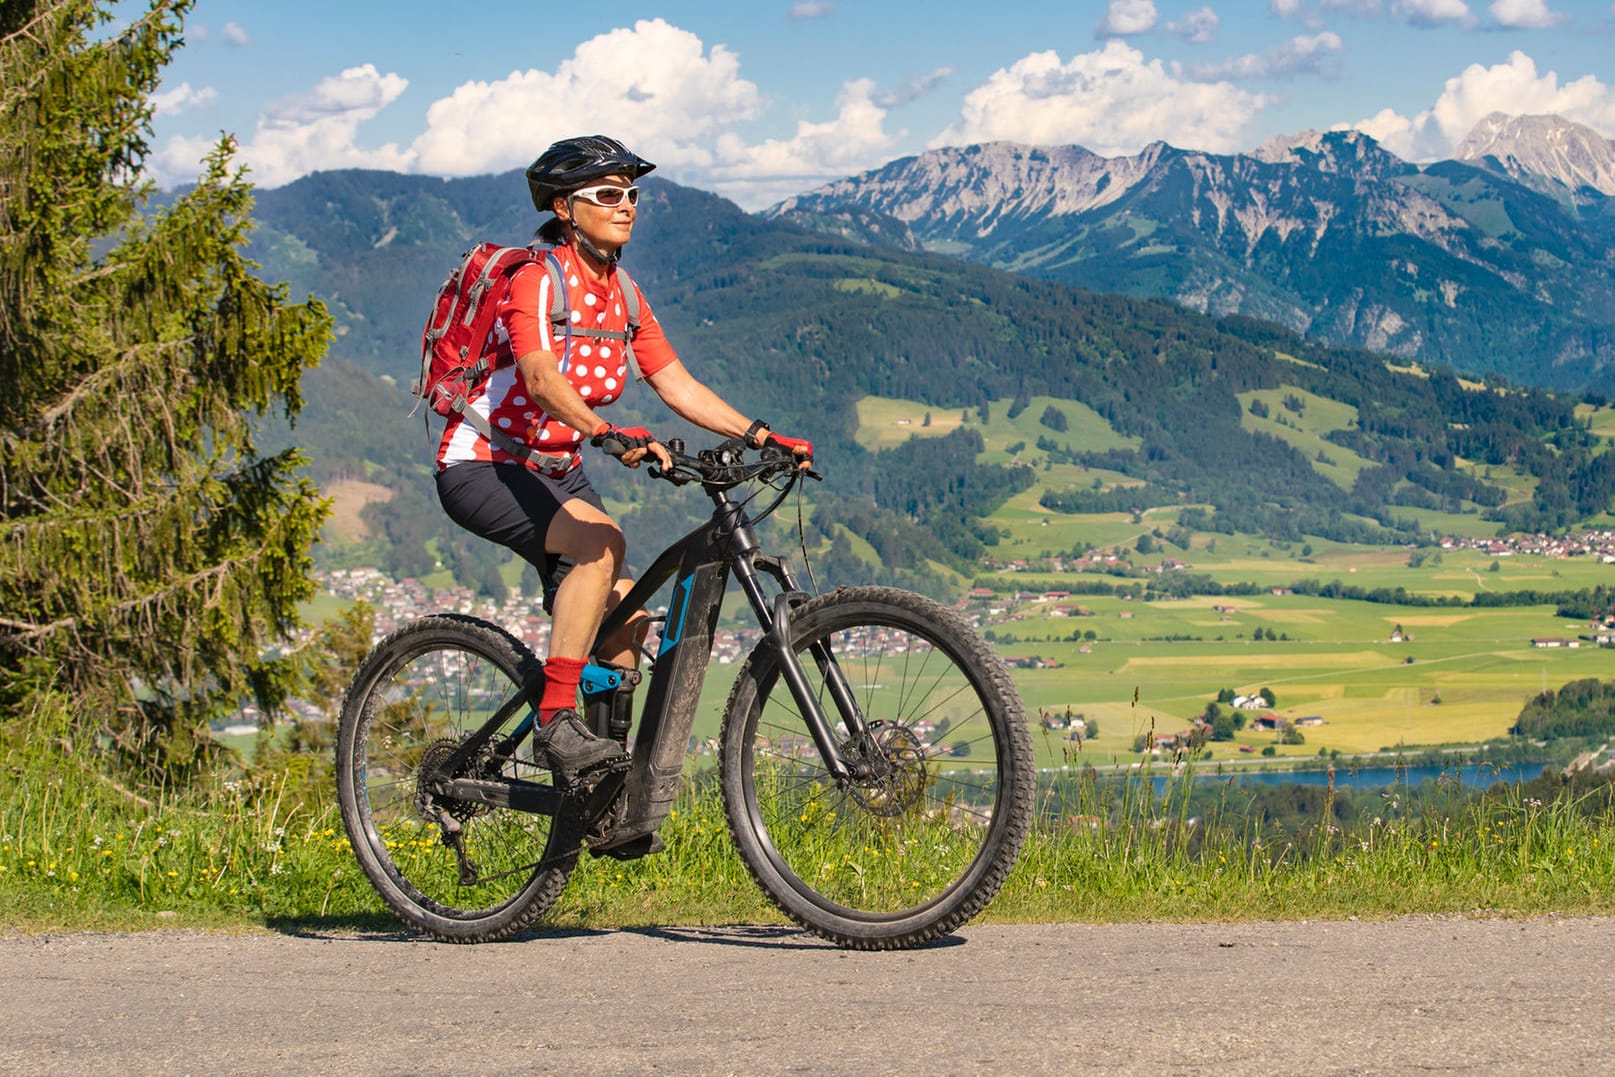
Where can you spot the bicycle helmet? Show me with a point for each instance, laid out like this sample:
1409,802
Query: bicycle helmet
574,162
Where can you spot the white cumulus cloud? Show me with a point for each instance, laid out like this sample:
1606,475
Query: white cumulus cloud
1112,101
302,134
1127,17
758,174
1514,87
1525,14
1306,54
235,35
655,86
659,88
1433,12
1197,27
182,98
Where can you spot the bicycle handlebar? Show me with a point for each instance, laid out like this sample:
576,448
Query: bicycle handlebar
725,465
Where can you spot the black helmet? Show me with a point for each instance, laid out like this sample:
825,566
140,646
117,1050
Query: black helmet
573,162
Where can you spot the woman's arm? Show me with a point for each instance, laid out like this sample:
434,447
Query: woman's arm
694,402
541,375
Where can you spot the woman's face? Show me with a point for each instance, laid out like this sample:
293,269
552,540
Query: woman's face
607,227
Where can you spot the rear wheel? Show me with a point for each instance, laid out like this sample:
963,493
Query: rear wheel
415,699
922,843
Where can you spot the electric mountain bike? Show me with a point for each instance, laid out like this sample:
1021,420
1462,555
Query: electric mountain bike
875,762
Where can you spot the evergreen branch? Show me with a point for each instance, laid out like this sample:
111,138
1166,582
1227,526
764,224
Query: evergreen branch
129,358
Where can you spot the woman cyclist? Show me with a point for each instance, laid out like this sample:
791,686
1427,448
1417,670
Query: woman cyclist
545,391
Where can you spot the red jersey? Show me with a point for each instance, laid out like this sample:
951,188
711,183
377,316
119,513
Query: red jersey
597,369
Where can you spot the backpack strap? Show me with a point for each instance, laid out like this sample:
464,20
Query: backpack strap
544,461
561,314
630,296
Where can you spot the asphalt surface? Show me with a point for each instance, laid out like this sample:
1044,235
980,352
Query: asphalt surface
1405,996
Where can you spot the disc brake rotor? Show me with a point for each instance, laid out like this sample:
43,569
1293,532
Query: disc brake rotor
901,774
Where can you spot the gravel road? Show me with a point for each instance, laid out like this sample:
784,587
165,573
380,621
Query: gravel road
1410,995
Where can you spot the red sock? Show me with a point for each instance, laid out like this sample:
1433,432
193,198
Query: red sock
561,676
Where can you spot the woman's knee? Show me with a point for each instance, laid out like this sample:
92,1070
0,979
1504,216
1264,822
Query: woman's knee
586,536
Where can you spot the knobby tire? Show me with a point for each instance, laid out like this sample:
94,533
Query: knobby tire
897,861
423,689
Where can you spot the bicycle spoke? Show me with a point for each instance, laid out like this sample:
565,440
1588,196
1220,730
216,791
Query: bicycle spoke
418,698
929,805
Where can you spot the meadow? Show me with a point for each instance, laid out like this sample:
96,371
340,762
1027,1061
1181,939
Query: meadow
259,851
260,848
1449,676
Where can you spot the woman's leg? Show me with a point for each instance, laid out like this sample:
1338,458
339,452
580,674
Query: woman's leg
621,648
526,512
591,541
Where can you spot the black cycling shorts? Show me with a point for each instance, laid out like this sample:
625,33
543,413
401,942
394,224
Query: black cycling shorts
513,505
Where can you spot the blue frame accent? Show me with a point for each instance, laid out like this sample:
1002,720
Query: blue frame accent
681,600
596,679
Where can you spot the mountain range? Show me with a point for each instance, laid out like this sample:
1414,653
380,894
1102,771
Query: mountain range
1502,261
799,327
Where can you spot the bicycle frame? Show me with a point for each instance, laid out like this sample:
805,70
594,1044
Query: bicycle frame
700,565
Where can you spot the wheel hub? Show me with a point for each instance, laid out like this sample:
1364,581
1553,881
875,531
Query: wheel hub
898,771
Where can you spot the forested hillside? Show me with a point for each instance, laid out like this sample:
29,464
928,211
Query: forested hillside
798,327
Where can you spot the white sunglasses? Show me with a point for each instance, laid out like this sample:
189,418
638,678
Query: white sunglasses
608,195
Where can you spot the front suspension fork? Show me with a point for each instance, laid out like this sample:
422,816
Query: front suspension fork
777,620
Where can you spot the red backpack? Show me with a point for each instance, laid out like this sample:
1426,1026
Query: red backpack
456,354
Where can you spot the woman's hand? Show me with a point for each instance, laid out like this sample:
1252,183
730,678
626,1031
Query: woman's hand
630,444
802,447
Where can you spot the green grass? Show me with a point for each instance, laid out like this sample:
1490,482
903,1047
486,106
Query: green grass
1161,662
1304,431
884,423
79,853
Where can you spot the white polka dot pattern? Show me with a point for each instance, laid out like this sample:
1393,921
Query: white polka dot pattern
596,370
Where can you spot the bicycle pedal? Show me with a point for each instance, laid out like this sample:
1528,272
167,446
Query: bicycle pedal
586,780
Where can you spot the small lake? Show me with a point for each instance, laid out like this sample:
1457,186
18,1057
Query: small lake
1471,775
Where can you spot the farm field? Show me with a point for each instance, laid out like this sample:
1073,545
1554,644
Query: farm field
1458,676
1454,676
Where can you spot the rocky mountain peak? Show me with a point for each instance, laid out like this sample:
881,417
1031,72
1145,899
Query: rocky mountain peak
1544,152
985,183
1328,151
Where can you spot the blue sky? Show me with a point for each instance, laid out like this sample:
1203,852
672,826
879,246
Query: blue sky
762,100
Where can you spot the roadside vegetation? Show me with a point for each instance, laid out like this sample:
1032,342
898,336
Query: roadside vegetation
265,849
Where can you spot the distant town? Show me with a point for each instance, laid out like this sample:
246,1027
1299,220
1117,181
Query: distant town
398,602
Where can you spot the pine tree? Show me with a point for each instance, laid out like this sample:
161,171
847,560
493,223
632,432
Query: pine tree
148,553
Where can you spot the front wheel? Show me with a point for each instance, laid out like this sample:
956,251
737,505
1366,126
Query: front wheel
415,699
924,841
